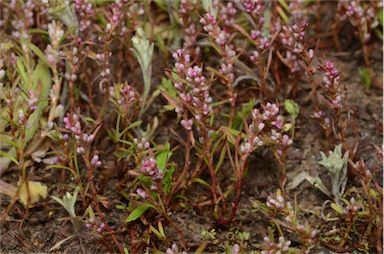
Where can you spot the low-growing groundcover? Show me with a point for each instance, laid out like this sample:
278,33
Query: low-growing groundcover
191,126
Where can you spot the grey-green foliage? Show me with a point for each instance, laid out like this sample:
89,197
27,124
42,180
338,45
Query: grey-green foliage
68,202
143,51
63,10
336,163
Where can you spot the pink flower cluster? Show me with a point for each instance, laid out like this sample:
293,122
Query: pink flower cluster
85,12
221,38
115,14
331,76
94,224
361,14
141,144
149,168
174,249
210,25
25,18
267,127
83,140
276,201
292,39
262,43
307,233
352,208
270,247
95,161
186,10
194,92
141,193
331,84
32,101
125,95
103,60
254,7
227,14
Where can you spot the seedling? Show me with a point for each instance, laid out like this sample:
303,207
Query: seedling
143,51
336,164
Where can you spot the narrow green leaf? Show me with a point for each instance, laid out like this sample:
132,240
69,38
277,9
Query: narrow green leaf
154,230
8,141
41,75
23,74
201,181
166,84
167,179
140,210
9,157
380,16
121,207
221,159
244,113
161,229
284,5
282,14
337,208
39,53
292,107
59,166
131,126
162,156
365,77
230,134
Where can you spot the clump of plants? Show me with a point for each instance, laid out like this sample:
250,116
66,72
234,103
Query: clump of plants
137,118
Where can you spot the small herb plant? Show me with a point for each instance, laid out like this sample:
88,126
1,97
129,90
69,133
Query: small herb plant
336,164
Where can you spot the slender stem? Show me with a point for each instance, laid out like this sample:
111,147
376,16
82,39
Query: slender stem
90,173
315,100
187,162
235,204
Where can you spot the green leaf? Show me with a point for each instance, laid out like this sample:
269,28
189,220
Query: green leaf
337,208
201,181
284,5
161,4
5,139
59,166
121,207
38,31
162,156
140,210
41,81
365,77
244,113
20,67
5,161
380,16
131,126
167,85
167,179
221,159
209,7
282,14
230,134
64,11
143,51
9,157
39,53
292,107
